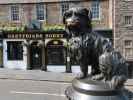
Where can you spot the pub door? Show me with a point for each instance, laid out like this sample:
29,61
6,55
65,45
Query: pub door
56,53
36,56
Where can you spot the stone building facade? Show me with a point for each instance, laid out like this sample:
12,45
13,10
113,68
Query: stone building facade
116,15
35,50
28,10
123,29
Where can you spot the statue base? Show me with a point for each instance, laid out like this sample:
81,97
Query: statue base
86,89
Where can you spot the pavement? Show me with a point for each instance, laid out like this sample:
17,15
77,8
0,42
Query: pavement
36,75
48,85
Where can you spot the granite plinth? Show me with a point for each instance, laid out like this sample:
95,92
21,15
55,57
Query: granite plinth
85,89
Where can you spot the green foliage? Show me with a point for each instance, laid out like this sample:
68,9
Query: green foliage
14,29
44,28
53,27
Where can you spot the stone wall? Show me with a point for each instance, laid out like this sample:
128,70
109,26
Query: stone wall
53,13
103,22
121,31
4,15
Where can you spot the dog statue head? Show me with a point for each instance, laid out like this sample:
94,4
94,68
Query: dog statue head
77,21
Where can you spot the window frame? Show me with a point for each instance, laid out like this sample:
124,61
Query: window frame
128,42
16,12
128,47
98,7
129,23
39,9
63,7
15,50
127,56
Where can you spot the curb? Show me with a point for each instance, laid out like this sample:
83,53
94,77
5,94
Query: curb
36,75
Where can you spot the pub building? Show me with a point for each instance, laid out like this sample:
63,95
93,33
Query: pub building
26,51
35,50
46,51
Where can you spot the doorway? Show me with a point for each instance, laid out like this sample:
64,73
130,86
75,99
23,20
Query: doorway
56,53
36,56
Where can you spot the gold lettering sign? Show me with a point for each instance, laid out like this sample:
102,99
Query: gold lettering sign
33,36
54,35
25,36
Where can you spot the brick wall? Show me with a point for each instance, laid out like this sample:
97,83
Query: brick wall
53,13
4,15
104,14
28,12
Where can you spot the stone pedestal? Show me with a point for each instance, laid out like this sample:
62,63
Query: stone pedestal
85,89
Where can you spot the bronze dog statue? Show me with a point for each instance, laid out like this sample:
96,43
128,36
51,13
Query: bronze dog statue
113,69
109,69
85,45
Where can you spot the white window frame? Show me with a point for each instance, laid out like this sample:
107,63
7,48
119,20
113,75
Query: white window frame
128,47
96,7
66,6
15,12
10,46
129,56
42,8
130,44
129,21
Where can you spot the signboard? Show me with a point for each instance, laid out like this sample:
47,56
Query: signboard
25,36
32,36
54,35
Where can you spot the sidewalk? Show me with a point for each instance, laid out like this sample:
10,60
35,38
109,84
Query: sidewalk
35,75
38,75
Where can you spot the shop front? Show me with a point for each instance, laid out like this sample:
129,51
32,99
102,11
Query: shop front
35,50
35,55
14,54
19,48
56,52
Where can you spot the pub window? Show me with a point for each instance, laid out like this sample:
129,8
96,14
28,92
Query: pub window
40,11
64,7
14,50
95,8
128,20
14,12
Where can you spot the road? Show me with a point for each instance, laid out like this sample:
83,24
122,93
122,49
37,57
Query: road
31,90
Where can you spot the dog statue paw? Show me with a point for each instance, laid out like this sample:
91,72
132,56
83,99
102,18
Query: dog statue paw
81,76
